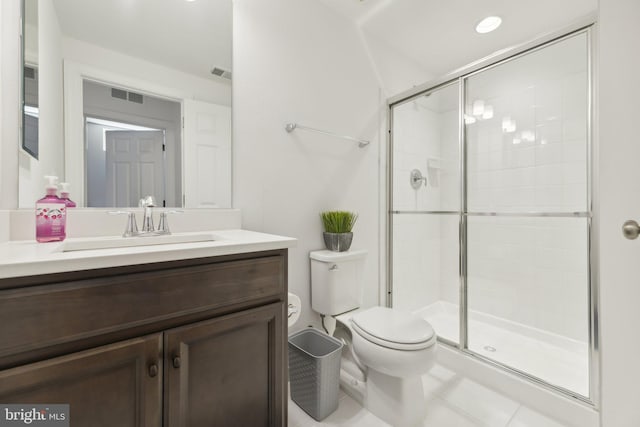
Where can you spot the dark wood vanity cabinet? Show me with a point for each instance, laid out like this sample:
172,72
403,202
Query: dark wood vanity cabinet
114,385
189,343
222,372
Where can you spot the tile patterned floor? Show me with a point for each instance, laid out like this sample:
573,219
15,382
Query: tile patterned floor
451,402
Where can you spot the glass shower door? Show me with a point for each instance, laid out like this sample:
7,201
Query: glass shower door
425,212
528,213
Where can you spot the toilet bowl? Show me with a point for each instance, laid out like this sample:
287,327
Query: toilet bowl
393,349
393,342
387,351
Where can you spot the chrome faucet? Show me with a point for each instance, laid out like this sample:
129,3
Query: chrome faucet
148,203
148,229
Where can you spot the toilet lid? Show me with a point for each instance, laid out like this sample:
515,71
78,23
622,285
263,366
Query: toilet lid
394,329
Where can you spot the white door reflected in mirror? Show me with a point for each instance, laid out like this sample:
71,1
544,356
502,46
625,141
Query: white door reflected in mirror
135,166
207,155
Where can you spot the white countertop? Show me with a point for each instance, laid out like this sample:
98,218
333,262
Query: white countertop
28,258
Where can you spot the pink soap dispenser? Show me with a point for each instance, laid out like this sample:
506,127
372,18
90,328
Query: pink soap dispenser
64,195
51,214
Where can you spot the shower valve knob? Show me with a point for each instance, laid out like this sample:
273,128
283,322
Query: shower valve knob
631,229
416,179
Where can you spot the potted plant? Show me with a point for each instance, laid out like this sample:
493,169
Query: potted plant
337,229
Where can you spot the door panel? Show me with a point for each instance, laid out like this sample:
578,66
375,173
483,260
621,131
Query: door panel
619,187
113,385
223,372
134,166
207,155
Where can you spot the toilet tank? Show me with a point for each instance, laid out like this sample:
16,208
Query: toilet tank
336,281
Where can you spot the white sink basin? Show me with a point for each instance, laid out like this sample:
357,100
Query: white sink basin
87,244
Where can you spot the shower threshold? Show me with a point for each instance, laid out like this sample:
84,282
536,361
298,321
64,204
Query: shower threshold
558,360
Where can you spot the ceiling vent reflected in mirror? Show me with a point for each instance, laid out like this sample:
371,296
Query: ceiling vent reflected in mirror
135,97
29,73
31,87
127,96
220,72
118,93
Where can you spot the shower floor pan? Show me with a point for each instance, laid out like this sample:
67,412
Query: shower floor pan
556,359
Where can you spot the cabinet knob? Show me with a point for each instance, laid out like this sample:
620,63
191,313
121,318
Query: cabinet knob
153,370
176,362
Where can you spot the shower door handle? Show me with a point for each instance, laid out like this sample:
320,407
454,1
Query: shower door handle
631,229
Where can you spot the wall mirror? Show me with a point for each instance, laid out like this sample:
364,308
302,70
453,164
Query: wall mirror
126,99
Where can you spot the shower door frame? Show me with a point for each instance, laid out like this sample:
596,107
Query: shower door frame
586,26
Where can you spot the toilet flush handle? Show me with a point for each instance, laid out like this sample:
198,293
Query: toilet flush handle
334,267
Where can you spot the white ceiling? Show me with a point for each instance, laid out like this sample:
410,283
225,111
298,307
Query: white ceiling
440,34
189,36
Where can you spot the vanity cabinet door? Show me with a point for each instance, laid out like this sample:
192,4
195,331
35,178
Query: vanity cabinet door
114,385
229,371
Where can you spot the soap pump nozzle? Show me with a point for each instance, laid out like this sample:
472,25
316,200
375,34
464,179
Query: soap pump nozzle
64,188
64,195
52,184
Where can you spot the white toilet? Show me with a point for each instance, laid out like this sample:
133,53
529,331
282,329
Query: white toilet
387,351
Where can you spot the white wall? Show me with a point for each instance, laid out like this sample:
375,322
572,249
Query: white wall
295,60
396,71
619,187
50,132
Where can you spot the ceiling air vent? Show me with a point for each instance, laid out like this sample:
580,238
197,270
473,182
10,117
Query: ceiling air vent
118,93
135,97
29,73
220,72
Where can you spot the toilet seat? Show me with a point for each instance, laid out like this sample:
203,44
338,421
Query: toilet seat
394,329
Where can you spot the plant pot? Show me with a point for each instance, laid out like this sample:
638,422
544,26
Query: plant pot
337,242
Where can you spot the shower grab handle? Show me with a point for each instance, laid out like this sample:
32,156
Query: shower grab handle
631,229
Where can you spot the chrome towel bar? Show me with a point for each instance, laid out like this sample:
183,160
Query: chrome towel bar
290,127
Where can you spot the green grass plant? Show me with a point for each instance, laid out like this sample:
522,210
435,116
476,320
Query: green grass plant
338,221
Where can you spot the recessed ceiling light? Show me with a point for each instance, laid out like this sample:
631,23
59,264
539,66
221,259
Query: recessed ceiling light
488,24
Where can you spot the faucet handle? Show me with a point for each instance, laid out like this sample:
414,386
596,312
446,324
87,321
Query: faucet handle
131,229
163,226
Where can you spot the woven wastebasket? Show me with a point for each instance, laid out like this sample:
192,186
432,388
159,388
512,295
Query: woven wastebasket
314,372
